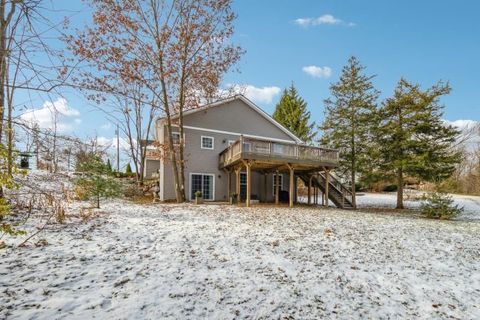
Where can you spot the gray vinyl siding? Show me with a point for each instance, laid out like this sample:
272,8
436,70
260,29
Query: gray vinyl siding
151,168
234,117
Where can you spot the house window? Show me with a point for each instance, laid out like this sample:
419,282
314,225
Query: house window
176,137
207,142
275,182
230,142
204,183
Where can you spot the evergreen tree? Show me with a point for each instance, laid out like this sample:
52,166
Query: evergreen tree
128,169
414,139
291,112
97,182
350,116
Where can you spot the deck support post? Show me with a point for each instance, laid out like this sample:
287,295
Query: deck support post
229,187
327,185
265,189
291,185
249,182
310,190
296,189
237,183
277,187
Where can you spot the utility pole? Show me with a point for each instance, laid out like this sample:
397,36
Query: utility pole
118,149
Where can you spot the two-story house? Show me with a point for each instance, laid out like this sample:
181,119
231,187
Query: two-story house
233,146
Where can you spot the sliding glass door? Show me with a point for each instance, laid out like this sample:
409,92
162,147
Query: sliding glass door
204,183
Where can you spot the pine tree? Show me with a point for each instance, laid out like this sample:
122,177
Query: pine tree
291,111
128,169
414,139
350,116
97,182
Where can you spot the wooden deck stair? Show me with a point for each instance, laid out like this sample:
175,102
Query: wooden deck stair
338,193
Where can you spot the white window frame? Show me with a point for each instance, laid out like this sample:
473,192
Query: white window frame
274,180
208,137
177,134
202,174
244,174
230,142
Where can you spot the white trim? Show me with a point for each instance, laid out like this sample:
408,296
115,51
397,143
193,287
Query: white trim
161,176
245,175
238,134
190,185
251,105
281,183
176,133
208,137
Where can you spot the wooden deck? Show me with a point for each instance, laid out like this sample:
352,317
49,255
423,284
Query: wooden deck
270,155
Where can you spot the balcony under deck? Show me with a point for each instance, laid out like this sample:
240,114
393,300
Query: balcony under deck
265,155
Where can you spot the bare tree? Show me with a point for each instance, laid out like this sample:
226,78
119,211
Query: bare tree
23,27
175,51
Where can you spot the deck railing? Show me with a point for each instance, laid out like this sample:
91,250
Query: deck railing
251,147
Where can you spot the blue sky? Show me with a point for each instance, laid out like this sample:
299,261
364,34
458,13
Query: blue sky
308,42
424,41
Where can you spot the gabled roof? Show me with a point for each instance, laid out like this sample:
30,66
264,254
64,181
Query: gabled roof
251,105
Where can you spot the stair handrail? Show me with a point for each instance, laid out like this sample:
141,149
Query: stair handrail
335,182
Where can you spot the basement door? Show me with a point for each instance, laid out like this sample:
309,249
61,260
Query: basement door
204,183
243,185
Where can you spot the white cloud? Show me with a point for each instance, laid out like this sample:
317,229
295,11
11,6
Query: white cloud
256,94
325,19
58,110
469,131
463,124
106,126
111,143
318,72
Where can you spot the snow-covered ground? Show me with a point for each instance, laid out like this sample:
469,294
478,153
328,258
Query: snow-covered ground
222,262
470,204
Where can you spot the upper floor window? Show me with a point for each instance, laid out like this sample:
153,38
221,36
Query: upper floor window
207,142
176,137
